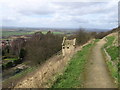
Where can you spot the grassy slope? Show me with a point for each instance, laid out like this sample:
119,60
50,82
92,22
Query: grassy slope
113,52
110,40
72,77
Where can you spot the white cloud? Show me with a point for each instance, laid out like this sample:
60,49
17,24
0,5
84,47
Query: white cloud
36,13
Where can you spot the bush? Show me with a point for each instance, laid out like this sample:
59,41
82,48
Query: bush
101,35
22,53
19,61
9,65
40,47
82,37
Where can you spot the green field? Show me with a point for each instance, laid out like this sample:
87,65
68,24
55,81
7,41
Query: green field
10,33
72,77
44,32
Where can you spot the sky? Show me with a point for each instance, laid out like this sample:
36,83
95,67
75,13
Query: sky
59,14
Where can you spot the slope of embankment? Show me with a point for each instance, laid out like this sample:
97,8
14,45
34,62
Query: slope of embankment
110,51
47,71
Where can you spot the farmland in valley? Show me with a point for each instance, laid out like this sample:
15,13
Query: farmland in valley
10,33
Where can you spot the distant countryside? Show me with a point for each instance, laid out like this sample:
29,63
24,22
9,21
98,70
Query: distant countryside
62,44
10,33
24,53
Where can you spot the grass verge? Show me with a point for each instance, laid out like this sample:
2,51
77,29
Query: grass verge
110,40
72,77
112,51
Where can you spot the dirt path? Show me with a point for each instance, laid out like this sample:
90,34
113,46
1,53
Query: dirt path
97,74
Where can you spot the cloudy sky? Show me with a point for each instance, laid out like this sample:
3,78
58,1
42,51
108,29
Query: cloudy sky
36,13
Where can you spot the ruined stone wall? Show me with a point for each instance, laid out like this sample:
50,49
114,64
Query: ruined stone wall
67,50
68,46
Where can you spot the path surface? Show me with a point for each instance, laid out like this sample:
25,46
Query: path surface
97,74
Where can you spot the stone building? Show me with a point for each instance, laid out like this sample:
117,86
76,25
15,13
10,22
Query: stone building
68,46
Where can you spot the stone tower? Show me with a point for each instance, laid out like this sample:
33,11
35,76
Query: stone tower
68,46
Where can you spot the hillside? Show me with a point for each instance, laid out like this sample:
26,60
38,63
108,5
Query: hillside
95,67
111,54
46,74
94,61
79,69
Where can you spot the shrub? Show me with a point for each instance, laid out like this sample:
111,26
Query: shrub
22,53
9,65
40,47
82,37
19,61
102,34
